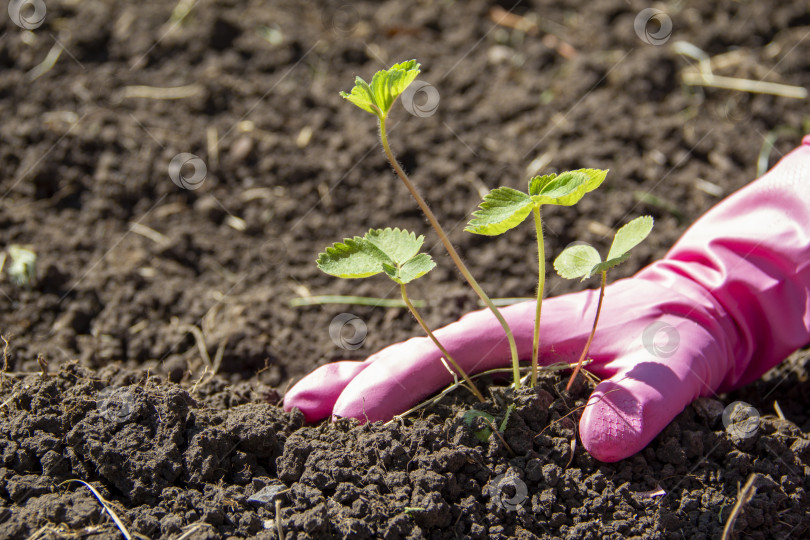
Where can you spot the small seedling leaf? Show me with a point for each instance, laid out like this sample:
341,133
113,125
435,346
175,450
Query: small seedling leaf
577,261
502,209
399,245
391,271
610,263
393,251
386,86
415,268
564,190
630,236
538,183
361,96
469,419
352,258
584,261
595,177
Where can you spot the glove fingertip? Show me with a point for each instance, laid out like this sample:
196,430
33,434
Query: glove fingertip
612,426
315,395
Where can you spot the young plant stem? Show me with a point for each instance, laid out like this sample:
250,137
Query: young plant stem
541,284
452,252
467,380
593,331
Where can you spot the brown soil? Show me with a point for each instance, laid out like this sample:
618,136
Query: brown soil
127,261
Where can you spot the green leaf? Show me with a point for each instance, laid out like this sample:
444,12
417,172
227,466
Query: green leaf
353,258
413,509
577,261
416,268
595,177
469,419
502,209
630,236
583,260
393,251
399,245
608,264
386,86
564,190
361,96
537,183
391,271
411,270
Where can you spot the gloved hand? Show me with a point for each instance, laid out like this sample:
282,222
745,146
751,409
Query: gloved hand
729,301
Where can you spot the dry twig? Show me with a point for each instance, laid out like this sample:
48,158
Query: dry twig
745,495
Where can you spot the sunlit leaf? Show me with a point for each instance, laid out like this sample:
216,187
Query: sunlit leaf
392,251
415,268
399,245
538,183
352,258
584,261
595,177
386,86
630,236
577,261
564,190
502,209
610,263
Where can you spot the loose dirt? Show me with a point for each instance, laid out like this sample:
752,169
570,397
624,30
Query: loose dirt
128,262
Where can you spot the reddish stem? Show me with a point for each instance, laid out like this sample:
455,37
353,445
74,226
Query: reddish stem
590,338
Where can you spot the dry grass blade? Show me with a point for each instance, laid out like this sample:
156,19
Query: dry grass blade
5,353
6,402
147,232
279,528
692,78
702,75
47,64
193,529
573,446
39,533
199,339
745,495
107,508
559,366
497,433
153,92
778,410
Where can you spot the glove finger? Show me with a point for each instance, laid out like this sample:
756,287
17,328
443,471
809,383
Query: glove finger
393,384
648,390
315,394
396,382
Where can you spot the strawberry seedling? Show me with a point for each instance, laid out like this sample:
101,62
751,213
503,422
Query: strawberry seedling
505,208
394,252
582,260
377,99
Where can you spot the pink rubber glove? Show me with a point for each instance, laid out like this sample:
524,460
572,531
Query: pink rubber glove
729,301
